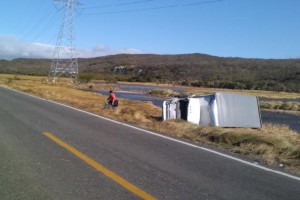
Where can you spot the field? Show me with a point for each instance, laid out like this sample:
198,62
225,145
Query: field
272,145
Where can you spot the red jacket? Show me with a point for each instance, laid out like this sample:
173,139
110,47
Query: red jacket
112,97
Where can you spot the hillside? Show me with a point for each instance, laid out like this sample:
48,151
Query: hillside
185,69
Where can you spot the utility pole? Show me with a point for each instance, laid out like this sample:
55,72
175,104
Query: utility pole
64,62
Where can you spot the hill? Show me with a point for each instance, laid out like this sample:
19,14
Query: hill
184,69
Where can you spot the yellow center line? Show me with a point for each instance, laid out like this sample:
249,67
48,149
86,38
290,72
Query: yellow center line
110,174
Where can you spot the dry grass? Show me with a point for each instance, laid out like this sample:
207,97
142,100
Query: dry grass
278,105
163,93
102,86
272,144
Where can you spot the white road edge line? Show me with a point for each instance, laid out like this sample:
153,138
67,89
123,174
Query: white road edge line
169,138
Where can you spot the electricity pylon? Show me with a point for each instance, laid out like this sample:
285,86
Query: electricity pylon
64,62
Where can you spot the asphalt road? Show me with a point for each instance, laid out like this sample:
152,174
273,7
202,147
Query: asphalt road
32,166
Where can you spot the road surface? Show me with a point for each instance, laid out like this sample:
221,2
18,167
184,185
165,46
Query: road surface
50,151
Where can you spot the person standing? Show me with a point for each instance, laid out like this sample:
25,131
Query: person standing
111,100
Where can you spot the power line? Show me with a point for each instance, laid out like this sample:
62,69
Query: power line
155,8
131,3
46,27
47,13
32,16
120,4
133,10
203,2
50,23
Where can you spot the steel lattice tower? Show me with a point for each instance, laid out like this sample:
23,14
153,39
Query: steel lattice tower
64,62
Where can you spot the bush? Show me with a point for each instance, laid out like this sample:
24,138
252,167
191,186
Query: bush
293,106
286,106
164,93
86,77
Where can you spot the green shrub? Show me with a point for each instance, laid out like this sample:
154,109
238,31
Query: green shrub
86,77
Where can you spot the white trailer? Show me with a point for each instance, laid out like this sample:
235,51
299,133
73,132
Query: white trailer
220,109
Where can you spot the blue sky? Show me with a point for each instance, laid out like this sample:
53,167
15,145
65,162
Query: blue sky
227,28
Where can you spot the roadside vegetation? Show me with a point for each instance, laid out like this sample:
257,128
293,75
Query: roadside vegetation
279,105
273,145
163,93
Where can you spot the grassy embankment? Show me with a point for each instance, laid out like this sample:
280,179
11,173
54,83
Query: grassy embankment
279,105
271,145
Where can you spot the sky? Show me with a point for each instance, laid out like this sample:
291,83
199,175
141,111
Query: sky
226,28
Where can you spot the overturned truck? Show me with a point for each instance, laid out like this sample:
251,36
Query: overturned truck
219,109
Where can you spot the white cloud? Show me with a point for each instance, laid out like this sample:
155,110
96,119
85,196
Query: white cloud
12,47
130,51
103,50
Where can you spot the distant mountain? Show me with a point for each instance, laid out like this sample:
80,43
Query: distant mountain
185,69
